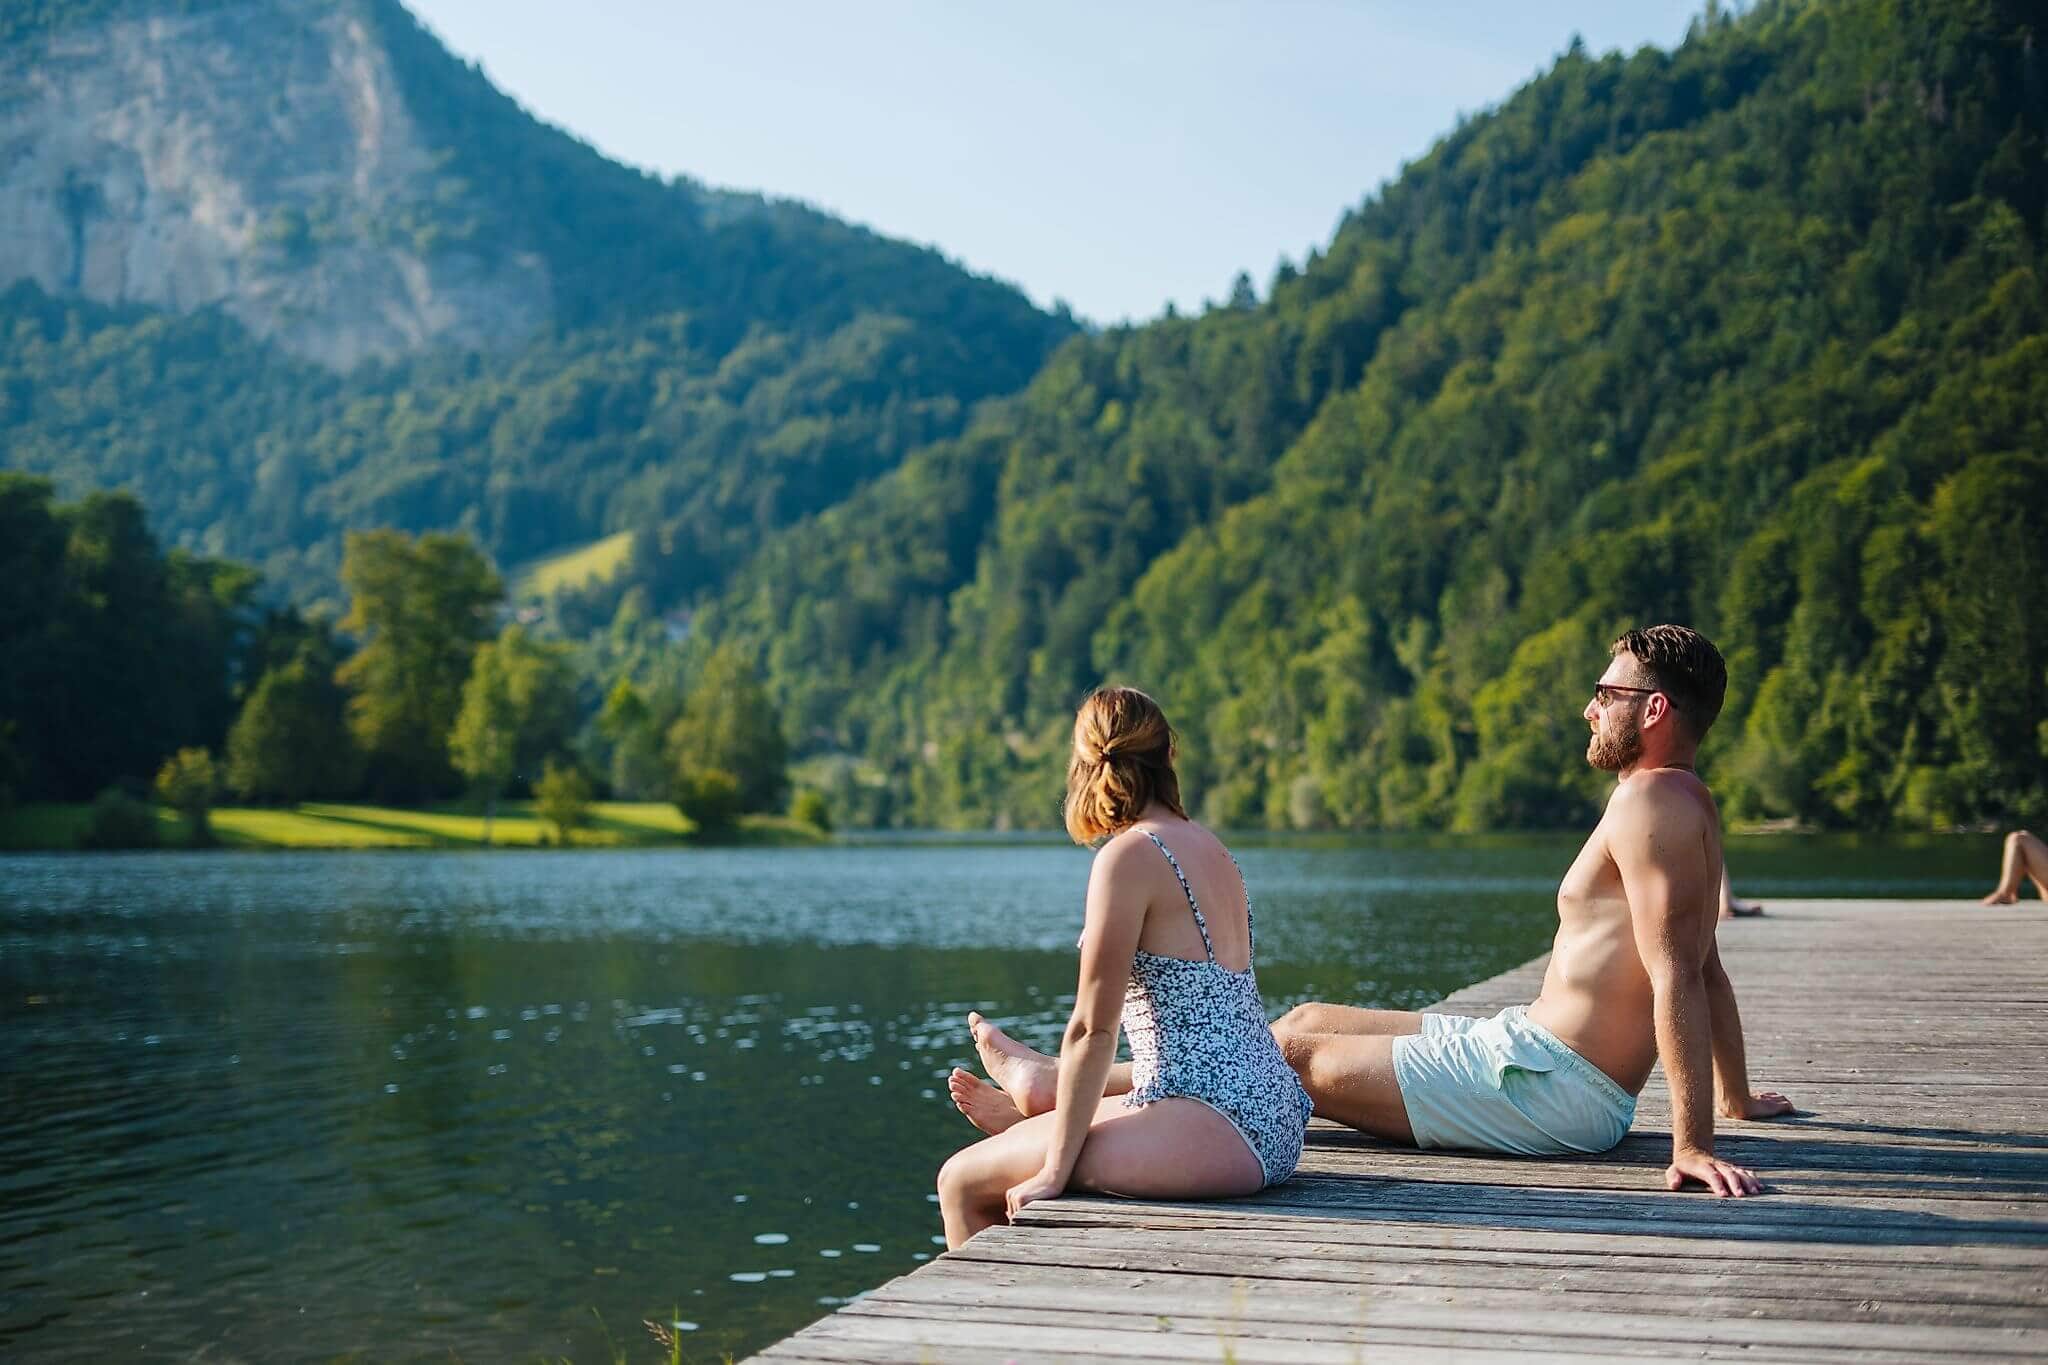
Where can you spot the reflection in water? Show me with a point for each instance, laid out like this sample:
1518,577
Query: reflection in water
416,1104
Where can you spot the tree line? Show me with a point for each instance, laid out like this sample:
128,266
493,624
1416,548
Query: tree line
127,663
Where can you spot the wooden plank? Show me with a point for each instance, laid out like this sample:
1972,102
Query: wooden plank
1657,1226
1805,1172
1939,1222
1802,1138
1394,1232
886,1340
1309,1332
1268,1305
1907,1297
1204,1250
1908,1218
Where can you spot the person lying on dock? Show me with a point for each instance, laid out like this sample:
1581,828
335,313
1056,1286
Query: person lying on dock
2025,856
1634,974
1209,1107
1732,908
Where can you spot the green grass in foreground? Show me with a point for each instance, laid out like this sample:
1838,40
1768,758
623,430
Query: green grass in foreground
592,563
610,824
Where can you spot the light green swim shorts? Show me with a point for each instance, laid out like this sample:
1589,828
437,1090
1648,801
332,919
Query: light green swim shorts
1506,1085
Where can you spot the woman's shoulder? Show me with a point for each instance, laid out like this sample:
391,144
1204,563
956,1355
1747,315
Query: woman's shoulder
1141,844
1121,848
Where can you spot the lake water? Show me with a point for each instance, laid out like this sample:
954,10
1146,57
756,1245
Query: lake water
505,1106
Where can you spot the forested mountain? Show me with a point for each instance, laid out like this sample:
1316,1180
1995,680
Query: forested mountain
285,267
1751,335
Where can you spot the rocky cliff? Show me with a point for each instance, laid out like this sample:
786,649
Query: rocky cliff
255,157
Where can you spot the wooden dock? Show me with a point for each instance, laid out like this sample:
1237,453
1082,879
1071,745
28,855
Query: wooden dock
1906,1217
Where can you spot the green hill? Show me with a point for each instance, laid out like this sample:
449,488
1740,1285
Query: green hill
1750,334
712,365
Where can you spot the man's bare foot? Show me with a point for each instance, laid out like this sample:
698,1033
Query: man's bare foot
1029,1077
1742,910
986,1107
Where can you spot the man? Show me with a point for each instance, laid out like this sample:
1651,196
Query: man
1634,975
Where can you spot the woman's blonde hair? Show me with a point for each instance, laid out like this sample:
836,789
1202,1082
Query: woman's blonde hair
1122,763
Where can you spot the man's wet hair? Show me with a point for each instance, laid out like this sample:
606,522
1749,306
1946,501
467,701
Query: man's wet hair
1685,667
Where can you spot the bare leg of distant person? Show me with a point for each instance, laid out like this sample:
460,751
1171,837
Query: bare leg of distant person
1732,908
2025,857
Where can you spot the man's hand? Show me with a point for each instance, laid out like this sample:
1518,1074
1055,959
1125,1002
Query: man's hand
1764,1104
1723,1178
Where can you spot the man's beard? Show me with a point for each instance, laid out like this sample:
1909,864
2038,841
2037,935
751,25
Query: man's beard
1617,746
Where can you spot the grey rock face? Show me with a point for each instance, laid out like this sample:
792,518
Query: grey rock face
258,158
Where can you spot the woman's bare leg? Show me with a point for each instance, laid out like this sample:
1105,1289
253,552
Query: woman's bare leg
984,1106
2025,857
1031,1078
1028,1076
1170,1149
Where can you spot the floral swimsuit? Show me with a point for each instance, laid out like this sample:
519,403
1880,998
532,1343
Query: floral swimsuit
1198,1031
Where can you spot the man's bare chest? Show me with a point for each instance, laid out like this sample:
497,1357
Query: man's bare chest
1592,887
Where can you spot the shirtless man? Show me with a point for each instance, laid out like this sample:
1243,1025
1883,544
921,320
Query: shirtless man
1634,975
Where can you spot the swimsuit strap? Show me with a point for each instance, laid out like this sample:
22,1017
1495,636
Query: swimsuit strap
1251,933
1189,891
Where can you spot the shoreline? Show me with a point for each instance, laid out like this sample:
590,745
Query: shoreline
344,826
354,826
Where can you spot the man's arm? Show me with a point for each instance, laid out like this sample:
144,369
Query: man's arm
1660,844
1732,1096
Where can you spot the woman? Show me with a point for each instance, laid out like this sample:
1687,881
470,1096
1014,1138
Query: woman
1213,1108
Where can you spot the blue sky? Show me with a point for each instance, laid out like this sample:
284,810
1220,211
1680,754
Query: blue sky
1115,155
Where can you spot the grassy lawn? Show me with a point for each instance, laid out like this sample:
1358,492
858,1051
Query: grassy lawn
612,824
592,563
303,827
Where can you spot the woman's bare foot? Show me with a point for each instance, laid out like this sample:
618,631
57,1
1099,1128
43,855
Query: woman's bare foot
986,1107
2000,897
1029,1077
1741,910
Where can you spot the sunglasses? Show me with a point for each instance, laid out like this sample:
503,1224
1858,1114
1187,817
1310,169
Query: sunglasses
1604,693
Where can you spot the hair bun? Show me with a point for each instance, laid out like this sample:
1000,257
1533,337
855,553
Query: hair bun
1123,761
